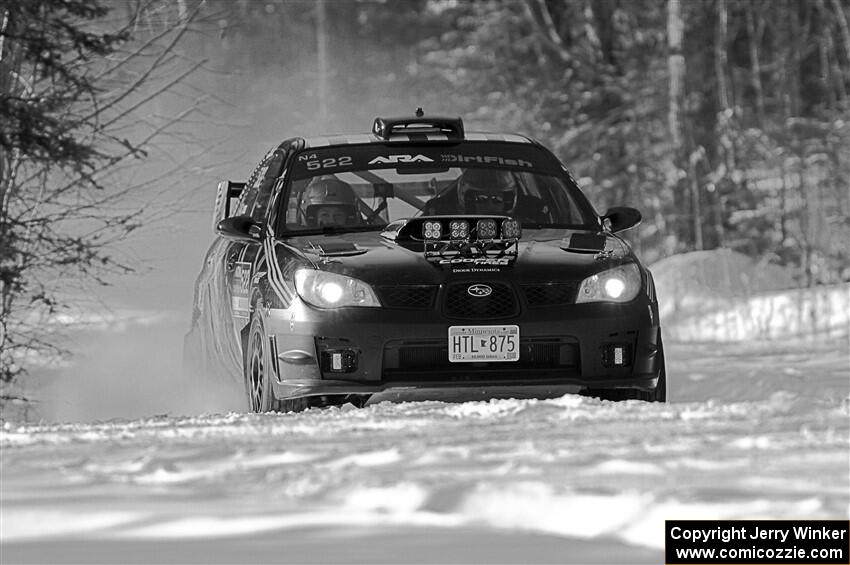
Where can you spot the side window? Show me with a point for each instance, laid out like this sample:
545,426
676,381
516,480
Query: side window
266,178
249,194
294,215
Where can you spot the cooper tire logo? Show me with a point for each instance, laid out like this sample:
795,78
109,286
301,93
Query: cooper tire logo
479,290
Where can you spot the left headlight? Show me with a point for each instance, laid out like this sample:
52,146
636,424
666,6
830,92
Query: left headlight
330,290
620,284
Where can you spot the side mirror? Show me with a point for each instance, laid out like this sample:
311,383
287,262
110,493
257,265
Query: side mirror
240,228
227,193
622,218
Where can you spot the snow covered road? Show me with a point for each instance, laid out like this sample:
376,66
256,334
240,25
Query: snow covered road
752,431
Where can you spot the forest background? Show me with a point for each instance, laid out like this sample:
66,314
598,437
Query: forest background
726,122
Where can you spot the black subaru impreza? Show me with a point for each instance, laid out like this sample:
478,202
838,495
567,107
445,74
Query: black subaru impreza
420,257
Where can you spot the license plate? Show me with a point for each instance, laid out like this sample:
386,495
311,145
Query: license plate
470,344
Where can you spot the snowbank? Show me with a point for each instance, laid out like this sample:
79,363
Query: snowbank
809,312
722,295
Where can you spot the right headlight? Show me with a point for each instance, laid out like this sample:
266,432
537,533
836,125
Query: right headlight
620,284
330,290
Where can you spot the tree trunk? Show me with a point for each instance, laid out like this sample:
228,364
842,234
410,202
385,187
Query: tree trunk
675,118
696,206
754,33
720,59
830,56
793,61
322,51
603,16
841,17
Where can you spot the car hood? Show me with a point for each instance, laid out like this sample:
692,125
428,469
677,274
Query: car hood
542,256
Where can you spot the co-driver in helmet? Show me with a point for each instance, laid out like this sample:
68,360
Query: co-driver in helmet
328,201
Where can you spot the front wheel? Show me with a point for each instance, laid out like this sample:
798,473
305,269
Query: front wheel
660,392
258,371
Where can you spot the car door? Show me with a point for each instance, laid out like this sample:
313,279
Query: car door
240,255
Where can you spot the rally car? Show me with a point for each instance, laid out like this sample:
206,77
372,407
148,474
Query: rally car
421,257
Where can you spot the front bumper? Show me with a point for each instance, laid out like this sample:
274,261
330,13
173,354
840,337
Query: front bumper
561,349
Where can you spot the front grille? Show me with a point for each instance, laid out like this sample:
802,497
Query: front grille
500,303
412,297
549,294
428,360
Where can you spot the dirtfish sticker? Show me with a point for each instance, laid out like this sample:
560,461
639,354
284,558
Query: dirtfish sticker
485,160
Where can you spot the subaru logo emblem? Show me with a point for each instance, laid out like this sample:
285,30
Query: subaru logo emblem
479,290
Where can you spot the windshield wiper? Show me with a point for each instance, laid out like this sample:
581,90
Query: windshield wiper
538,226
541,226
331,230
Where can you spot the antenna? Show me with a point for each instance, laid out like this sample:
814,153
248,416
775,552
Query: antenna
419,113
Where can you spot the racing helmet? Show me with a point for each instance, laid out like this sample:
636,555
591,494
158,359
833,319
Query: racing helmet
487,191
326,197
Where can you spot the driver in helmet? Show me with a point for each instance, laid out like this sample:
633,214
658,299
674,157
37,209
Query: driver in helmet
487,192
328,201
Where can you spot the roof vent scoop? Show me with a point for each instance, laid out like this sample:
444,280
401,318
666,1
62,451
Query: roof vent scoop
387,128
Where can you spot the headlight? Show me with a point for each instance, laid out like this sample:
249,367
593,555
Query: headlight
329,290
620,284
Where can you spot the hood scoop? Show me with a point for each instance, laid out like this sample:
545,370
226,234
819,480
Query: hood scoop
336,249
584,243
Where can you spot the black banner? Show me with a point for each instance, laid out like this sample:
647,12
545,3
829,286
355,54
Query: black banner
344,158
814,542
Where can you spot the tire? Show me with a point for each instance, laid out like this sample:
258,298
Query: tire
257,369
660,392
258,374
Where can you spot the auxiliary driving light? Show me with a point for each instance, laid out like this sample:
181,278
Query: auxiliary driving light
511,229
459,229
432,230
486,229
339,360
616,355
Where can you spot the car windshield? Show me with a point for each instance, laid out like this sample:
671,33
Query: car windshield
340,196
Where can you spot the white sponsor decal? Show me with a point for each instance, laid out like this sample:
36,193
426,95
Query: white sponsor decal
476,261
243,275
485,160
401,159
330,162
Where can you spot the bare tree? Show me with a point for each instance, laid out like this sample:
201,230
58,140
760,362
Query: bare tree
78,82
675,111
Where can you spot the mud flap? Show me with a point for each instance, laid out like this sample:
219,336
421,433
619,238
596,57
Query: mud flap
243,337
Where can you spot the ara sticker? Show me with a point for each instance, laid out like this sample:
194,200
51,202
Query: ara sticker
400,159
